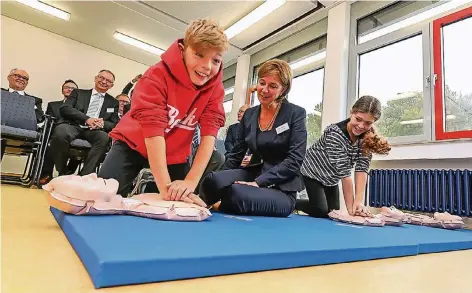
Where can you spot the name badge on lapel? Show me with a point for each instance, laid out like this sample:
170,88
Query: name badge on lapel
282,128
110,110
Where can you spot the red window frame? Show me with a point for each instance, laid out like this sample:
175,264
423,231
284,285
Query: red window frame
438,70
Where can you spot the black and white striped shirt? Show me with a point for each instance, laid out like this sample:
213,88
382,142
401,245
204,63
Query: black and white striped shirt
333,156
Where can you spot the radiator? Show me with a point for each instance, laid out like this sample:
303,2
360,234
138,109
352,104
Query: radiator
422,190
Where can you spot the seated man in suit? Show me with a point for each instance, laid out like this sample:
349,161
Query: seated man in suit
53,109
17,81
123,101
233,130
89,115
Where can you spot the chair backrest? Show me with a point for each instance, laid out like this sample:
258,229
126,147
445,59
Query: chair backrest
18,111
220,146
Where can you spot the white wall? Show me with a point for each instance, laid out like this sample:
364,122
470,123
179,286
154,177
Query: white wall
50,59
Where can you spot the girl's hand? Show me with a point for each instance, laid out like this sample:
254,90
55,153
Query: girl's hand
358,209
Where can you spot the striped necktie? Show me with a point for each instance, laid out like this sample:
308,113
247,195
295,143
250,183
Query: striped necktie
93,107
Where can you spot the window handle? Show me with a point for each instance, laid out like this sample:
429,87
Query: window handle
435,77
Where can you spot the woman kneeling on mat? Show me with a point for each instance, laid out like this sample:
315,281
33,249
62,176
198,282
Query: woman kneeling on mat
275,133
330,159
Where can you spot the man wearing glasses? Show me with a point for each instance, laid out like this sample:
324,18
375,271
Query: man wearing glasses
89,115
53,110
124,103
18,80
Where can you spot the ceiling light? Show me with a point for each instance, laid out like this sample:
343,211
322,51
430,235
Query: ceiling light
137,43
413,20
308,60
257,14
46,8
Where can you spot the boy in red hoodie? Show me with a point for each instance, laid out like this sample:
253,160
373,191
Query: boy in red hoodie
169,101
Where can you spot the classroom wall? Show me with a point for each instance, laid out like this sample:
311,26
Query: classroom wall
50,59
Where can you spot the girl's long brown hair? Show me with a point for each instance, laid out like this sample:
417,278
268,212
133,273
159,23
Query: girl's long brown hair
372,142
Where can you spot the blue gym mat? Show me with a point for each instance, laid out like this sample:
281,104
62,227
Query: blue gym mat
121,250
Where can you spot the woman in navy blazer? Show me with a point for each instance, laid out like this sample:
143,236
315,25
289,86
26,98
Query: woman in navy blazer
275,133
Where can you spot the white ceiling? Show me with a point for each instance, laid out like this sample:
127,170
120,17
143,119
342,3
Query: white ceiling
158,23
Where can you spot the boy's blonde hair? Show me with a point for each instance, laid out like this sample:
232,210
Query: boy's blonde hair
282,70
206,34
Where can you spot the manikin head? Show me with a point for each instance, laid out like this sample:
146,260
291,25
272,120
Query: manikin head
88,187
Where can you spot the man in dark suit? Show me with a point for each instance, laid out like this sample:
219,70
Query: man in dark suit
53,109
17,81
88,115
233,130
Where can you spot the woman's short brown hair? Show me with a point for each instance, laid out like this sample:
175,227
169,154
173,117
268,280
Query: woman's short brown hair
282,70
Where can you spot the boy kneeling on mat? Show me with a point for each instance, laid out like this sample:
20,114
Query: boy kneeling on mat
172,97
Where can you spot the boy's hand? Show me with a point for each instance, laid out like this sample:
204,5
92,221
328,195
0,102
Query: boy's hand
180,189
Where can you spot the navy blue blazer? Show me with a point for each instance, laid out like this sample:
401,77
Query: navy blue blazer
230,139
280,166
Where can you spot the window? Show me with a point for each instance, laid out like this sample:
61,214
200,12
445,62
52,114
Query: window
307,92
228,106
395,64
391,18
394,75
453,68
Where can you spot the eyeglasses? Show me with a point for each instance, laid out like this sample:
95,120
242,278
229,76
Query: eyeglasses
68,87
101,78
19,76
123,102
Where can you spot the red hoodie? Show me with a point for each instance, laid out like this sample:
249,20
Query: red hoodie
166,103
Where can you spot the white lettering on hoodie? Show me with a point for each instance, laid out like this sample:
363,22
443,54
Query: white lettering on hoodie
188,123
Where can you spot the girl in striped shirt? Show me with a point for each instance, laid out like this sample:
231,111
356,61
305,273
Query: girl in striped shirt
342,146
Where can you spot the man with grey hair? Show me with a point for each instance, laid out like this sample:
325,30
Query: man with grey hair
17,81
88,115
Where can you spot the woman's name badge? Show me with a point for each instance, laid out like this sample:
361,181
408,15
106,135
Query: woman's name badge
282,128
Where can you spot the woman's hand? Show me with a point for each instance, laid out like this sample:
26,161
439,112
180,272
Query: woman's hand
180,189
247,183
195,199
358,209
246,161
